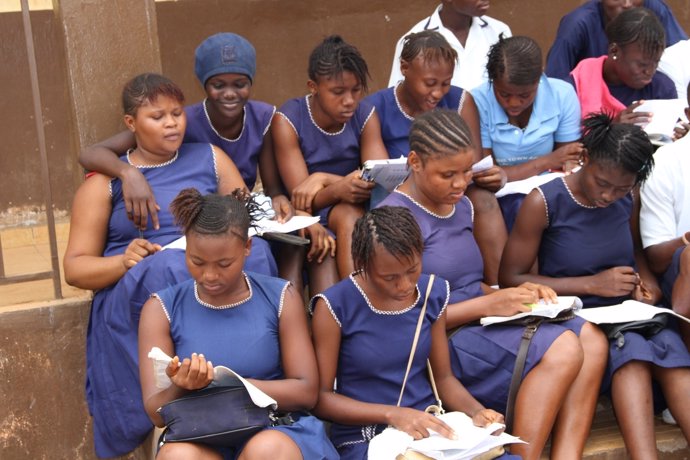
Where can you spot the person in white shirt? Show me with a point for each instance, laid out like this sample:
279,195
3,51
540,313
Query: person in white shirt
665,224
675,63
470,33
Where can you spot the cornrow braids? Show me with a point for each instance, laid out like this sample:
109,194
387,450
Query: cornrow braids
638,25
431,45
393,227
439,132
621,144
215,214
518,58
333,56
146,87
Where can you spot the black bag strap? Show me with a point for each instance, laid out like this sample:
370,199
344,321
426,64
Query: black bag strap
519,368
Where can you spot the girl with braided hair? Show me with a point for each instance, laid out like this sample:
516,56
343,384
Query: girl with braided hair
565,361
583,231
124,265
251,323
427,63
529,123
320,142
363,330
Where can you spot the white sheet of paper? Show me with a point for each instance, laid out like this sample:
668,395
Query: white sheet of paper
264,225
222,376
666,114
629,310
296,223
546,310
180,243
483,164
526,185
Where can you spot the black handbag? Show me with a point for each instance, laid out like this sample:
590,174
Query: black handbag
646,328
219,416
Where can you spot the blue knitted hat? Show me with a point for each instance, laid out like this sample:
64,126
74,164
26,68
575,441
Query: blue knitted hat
224,53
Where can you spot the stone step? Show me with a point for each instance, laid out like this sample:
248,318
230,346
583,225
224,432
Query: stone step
606,443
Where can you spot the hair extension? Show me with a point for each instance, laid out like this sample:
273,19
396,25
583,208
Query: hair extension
429,44
333,56
215,214
147,87
621,144
638,25
518,58
439,132
393,227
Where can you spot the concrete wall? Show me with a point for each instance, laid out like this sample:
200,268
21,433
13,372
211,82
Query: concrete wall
81,100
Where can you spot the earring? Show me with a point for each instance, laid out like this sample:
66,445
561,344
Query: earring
614,57
581,162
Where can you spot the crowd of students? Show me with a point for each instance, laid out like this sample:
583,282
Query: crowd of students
614,227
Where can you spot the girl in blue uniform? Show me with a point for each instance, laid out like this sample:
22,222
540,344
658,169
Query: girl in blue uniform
565,361
225,65
107,254
321,140
357,352
582,229
427,64
251,323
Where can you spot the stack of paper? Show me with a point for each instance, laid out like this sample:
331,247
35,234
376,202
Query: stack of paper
471,441
387,173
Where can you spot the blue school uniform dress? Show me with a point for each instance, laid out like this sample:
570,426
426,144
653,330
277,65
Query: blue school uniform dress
244,151
396,124
483,358
581,35
583,240
372,361
112,372
335,153
244,337
555,119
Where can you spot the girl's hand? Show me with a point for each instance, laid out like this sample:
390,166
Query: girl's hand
194,373
486,417
283,208
493,179
139,199
563,157
510,301
628,115
643,294
417,423
322,243
137,250
353,189
615,282
303,195
542,291
680,130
